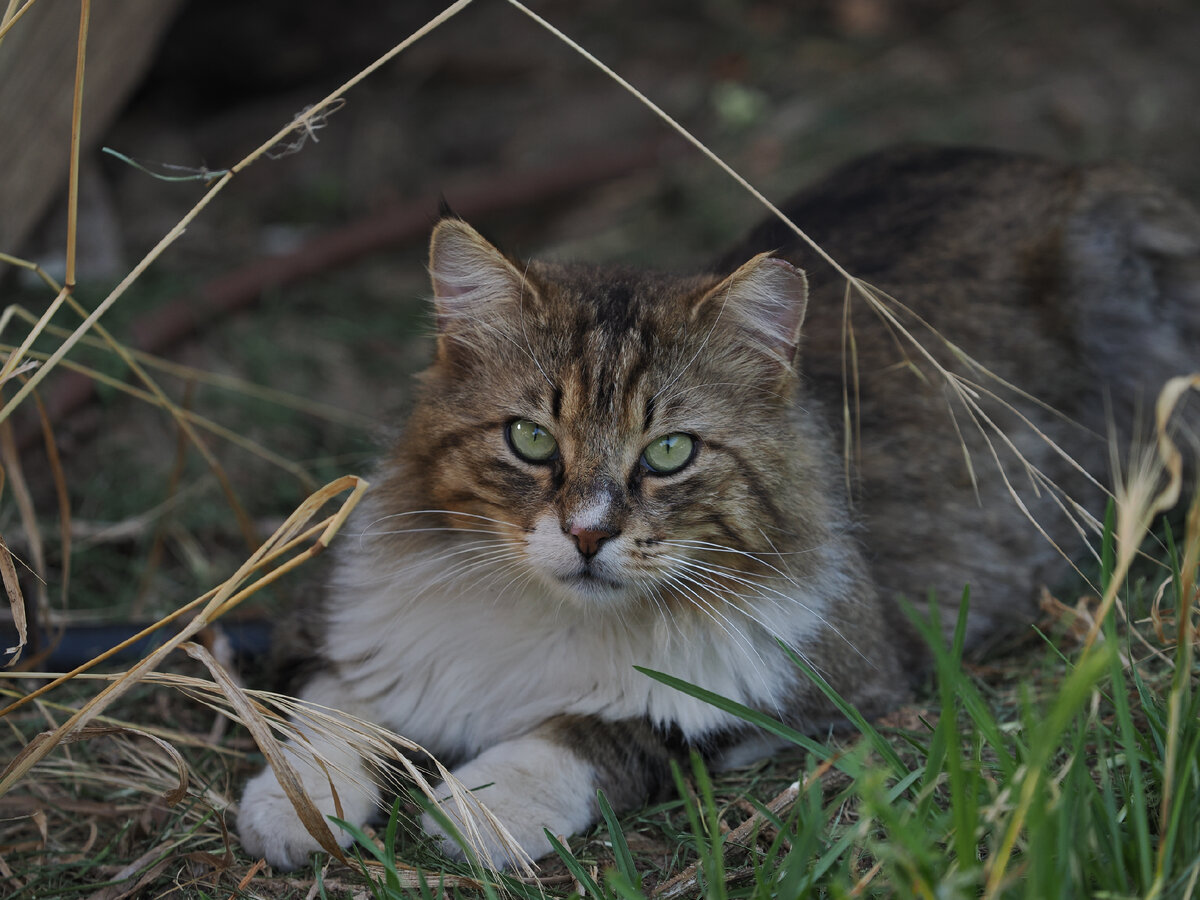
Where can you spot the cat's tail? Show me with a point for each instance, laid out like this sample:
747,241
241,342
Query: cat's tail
1132,249
1132,254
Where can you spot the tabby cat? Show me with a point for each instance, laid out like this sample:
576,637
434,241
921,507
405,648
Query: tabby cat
608,468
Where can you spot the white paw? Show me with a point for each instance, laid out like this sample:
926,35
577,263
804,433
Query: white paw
269,827
532,785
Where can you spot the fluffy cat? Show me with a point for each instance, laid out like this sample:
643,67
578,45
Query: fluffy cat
609,468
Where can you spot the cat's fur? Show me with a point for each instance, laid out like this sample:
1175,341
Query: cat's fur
493,609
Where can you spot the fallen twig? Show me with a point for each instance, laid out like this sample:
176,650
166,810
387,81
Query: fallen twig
686,880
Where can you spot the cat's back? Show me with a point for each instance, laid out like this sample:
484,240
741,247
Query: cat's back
1077,284
1004,249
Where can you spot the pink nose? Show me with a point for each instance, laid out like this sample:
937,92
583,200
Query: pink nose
588,540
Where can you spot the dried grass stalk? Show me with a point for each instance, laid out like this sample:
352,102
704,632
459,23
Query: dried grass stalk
256,724
14,479
170,797
16,602
224,598
299,123
1139,497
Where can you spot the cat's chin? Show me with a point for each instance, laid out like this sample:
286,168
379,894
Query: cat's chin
588,590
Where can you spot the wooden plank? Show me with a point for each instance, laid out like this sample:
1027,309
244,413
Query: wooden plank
37,79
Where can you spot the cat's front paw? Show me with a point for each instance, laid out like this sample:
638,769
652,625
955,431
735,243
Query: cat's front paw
530,785
269,827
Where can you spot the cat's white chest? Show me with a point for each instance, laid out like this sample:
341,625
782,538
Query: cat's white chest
458,669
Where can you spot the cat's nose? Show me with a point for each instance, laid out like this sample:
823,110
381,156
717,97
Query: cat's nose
588,540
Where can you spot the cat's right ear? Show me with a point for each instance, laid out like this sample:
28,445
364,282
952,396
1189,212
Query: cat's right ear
765,299
474,284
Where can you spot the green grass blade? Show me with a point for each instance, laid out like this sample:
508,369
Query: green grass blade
360,838
964,806
1131,741
713,850
1046,739
948,666
586,881
620,848
797,874
754,717
393,826
839,848
1108,544
882,747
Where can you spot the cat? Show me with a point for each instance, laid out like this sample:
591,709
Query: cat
608,468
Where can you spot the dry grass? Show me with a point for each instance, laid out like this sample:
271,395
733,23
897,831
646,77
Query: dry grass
75,749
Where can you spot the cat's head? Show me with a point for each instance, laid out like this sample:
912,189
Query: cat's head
621,436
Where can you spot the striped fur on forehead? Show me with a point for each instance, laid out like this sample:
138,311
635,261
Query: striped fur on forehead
606,326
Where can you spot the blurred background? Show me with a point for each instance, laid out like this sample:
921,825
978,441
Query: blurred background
306,274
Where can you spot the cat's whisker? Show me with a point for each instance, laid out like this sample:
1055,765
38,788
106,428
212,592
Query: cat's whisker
686,586
482,554
783,561
722,548
706,387
435,560
734,571
506,554
481,558
761,591
485,583
750,652
757,557
766,575
367,531
514,562
746,603
692,586
780,599
440,512
651,589
524,333
434,530
521,582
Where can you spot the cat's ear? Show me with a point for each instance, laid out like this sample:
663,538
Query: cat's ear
474,284
765,299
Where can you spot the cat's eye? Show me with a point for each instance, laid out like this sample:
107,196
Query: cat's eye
669,453
531,441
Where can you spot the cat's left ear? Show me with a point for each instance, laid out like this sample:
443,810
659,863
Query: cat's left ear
765,299
474,284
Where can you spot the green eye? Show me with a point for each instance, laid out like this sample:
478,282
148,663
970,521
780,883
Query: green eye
669,453
531,441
